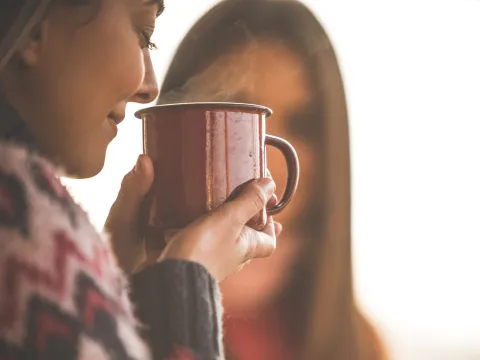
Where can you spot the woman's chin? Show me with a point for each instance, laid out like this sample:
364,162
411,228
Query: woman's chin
83,168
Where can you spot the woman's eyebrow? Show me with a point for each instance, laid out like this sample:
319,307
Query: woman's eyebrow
159,3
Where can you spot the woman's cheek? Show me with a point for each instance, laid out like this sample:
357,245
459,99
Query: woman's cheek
126,64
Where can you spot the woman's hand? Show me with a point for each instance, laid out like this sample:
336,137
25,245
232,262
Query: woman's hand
220,241
124,222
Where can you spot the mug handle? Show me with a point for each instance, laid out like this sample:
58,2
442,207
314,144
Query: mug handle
293,167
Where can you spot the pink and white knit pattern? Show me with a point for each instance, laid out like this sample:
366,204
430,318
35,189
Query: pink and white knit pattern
62,295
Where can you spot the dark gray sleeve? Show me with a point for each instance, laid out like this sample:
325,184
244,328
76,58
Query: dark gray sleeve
178,303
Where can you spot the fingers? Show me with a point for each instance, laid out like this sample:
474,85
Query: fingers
135,186
259,244
269,174
270,227
138,181
274,199
272,202
278,228
252,199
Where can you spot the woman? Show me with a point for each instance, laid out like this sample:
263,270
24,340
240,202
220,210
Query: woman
67,70
298,304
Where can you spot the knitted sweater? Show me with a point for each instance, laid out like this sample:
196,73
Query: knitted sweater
62,296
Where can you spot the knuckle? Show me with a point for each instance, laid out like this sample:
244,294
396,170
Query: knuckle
259,197
248,243
228,214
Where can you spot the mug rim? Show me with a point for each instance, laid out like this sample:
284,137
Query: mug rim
213,104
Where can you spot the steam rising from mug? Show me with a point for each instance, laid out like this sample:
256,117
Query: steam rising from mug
224,80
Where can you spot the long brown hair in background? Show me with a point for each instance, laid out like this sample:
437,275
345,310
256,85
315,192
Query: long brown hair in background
319,301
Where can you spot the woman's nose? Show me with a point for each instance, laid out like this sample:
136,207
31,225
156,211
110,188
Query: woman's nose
149,90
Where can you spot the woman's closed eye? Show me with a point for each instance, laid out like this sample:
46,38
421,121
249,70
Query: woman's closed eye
146,38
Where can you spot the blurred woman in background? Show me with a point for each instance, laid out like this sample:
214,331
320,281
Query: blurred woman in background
298,304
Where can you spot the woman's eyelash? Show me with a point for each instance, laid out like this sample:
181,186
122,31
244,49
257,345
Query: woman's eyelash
145,34
148,42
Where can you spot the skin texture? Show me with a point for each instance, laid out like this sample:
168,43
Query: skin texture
71,82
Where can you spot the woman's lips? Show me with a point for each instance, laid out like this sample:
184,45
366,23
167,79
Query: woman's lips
114,119
113,124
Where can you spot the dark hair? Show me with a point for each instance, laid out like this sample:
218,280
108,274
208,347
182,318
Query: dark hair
12,127
9,11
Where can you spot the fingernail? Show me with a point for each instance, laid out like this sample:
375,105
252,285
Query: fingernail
268,184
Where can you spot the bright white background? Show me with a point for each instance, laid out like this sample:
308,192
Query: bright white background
412,71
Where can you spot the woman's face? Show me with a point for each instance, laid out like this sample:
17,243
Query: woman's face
268,74
82,67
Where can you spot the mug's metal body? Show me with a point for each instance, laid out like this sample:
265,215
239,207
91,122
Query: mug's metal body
203,153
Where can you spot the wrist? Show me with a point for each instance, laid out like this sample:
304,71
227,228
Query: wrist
184,253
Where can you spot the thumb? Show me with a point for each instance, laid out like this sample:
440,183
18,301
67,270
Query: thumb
253,198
